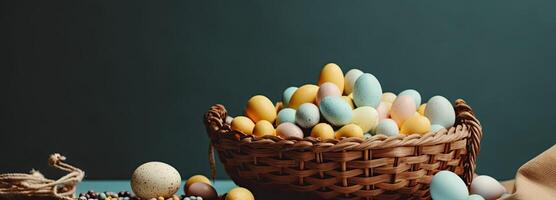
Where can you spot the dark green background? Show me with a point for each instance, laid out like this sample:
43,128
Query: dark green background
113,84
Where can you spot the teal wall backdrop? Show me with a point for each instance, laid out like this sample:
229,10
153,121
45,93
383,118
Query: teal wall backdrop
113,84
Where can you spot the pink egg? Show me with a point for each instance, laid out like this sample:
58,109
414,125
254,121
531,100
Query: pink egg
327,89
402,108
287,130
383,110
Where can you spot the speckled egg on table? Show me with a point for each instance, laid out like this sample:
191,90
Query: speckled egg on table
155,179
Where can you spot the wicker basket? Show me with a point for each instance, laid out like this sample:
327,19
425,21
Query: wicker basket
379,167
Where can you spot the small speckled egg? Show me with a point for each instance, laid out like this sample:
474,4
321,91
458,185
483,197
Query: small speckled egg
367,91
388,97
383,110
349,80
327,89
263,128
243,124
336,111
421,109
446,185
350,130
195,179
239,193
435,128
417,124
413,94
287,95
154,179
307,115
440,111
475,197
304,94
402,108
365,117
349,101
260,108
387,127
287,130
332,73
285,115
486,186
323,131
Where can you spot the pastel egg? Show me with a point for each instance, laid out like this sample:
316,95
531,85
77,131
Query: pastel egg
243,124
349,80
286,115
287,130
327,89
402,108
307,115
304,94
349,101
383,110
435,128
336,111
387,127
421,109
195,179
365,117
413,94
367,91
263,128
155,179
332,73
260,108
388,97
440,111
486,186
350,130
287,95
475,197
417,124
323,131
447,185
239,193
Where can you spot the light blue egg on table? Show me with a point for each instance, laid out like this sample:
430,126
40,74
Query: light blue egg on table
446,185
286,115
387,127
287,95
307,115
335,110
440,111
367,91
435,128
475,197
413,94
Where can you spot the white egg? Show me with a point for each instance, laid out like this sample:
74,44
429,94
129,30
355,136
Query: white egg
486,186
350,78
440,111
155,179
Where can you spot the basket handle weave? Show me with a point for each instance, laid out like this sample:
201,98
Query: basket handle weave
466,116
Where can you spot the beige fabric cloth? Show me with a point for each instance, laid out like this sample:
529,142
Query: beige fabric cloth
534,180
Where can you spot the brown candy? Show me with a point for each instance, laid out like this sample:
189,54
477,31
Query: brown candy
206,191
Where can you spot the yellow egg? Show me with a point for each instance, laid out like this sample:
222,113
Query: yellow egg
350,130
263,127
332,73
239,193
416,124
388,97
304,94
196,179
260,108
243,124
323,131
365,117
349,101
421,109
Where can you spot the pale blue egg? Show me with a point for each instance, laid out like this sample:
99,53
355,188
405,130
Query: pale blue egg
367,91
446,185
413,94
335,110
387,127
440,111
287,95
475,197
286,115
307,115
435,128
349,80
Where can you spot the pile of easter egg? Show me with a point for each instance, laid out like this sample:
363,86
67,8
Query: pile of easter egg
343,106
446,185
160,181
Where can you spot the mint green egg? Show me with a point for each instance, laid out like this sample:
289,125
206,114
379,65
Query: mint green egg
436,128
335,110
287,95
413,94
475,197
367,91
447,185
286,115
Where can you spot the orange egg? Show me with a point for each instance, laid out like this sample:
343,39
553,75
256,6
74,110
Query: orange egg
304,94
260,108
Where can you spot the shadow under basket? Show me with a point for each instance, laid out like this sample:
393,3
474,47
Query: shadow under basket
380,167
